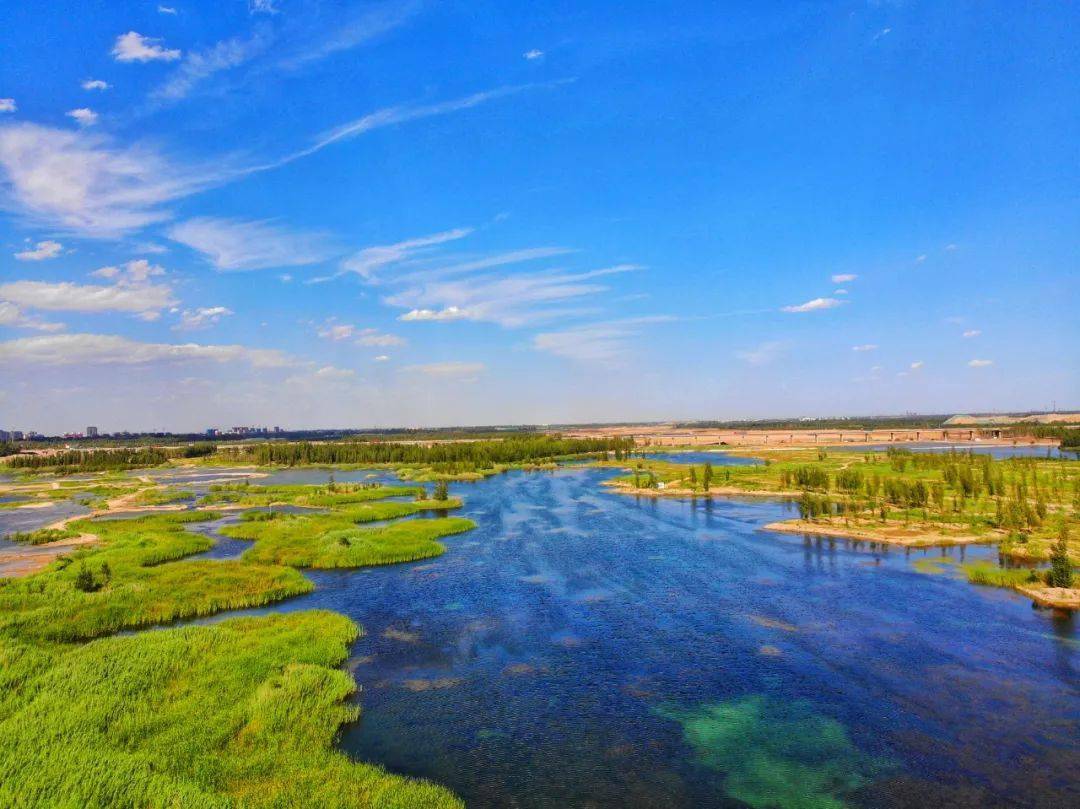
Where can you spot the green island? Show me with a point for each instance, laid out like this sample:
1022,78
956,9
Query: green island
240,713
1028,507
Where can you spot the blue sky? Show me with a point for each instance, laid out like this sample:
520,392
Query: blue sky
423,213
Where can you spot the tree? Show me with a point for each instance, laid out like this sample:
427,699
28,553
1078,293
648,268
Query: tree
442,491
706,477
1061,574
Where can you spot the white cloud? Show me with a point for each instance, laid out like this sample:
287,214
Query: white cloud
951,247
166,10
81,182
920,259
844,278
95,84
814,305
508,300
234,244
373,338
8,105
460,371
337,331
83,116
107,349
449,313
764,353
134,47
390,116
201,65
972,333
605,343
915,366
839,292
203,317
535,53
363,337
137,271
368,261
865,347
11,316
262,7
980,363
68,297
42,251
381,358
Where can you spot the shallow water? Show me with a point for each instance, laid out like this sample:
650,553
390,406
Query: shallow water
582,648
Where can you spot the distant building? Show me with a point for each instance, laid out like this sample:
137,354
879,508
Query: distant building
5,435
91,432
16,435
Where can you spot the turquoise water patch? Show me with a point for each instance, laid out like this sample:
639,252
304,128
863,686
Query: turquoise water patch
776,753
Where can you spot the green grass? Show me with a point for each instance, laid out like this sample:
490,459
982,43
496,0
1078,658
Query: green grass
139,589
162,496
992,576
334,539
41,536
243,713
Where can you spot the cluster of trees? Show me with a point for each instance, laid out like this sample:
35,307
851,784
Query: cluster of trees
94,460
455,457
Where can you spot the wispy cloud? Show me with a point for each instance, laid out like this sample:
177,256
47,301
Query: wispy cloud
42,251
865,347
108,349
95,84
134,47
605,343
458,371
84,183
167,10
368,337
764,353
234,244
201,65
533,54
917,365
8,105
844,278
367,262
815,305
510,300
972,333
980,363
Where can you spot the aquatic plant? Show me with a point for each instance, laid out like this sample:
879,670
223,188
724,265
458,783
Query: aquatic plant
775,753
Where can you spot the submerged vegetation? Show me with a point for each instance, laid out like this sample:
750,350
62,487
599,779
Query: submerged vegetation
775,753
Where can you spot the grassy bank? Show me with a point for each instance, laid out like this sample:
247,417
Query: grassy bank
243,713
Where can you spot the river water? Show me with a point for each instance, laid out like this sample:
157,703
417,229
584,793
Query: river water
583,648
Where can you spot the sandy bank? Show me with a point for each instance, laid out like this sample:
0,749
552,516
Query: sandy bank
898,534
